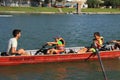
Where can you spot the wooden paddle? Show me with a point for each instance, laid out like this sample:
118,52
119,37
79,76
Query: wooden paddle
92,54
101,64
100,60
41,49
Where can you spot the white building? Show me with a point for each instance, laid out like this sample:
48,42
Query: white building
83,2
19,3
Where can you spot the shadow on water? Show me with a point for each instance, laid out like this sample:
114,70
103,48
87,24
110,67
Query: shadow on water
89,70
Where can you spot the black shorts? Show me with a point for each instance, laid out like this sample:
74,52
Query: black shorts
16,54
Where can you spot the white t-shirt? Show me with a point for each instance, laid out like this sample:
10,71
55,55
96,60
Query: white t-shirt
12,43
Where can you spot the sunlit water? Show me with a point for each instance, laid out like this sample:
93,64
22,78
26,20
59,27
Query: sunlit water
77,30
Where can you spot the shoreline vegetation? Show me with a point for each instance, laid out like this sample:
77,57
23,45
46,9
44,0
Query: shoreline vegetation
52,10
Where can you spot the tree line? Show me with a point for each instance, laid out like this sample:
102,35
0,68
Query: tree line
101,3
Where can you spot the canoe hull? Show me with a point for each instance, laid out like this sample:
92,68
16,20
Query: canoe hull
15,60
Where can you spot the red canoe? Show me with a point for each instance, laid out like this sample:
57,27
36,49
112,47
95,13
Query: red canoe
15,60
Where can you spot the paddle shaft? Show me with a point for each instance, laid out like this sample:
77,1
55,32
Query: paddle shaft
41,49
101,64
92,54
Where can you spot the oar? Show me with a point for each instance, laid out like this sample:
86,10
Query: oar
101,64
92,54
41,49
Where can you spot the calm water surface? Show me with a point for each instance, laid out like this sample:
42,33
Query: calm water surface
62,71
77,30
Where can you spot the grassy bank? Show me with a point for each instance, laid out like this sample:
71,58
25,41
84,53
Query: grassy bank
68,10
29,9
100,10
35,9
52,10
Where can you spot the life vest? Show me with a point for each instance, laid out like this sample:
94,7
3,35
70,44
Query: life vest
60,44
100,41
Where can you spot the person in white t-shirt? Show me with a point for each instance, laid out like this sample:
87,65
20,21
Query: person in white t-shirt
13,43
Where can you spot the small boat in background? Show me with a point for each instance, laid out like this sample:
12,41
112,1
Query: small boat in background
6,15
66,57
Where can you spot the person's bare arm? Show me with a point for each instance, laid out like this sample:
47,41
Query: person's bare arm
51,43
13,51
115,41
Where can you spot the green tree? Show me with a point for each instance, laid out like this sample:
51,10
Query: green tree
46,1
107,3
113,3
94,3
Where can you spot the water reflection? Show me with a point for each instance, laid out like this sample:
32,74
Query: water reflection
61,71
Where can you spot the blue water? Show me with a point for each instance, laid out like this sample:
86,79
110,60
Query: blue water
77,30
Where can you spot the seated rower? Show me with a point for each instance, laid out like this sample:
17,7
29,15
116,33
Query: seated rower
97,42
13,42
116,44
60,46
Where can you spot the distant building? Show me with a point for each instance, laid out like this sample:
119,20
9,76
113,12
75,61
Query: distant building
28,3
19,3
83,5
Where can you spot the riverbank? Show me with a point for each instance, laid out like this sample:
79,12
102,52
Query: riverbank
100,11
46,10
37,10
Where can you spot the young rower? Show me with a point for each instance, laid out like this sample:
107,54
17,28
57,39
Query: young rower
116,44
60,46
97,42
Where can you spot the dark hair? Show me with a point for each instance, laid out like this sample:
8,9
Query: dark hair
16,31
97,33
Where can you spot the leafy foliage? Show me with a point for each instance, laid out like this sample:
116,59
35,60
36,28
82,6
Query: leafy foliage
107,3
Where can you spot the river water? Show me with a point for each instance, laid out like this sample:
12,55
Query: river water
77,30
